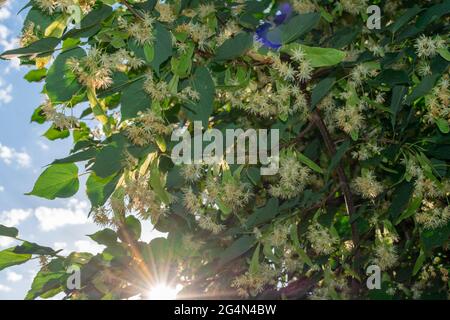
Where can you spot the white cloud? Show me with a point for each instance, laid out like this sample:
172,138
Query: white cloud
61,246
14,217
14,277
5,13
4,288
88,246
2,188
5,94
10,155
43,145
75,213
6,242
8,40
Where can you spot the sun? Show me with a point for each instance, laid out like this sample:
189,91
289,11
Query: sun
163,292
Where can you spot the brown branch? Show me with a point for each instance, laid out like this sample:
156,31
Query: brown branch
343,182
296,290
132,10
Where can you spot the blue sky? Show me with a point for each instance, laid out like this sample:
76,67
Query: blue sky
61,224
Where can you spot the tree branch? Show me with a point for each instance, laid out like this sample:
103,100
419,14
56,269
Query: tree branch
132,10
344,185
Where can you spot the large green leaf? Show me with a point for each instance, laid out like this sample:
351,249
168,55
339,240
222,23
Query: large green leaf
40,47
398,93
405,18
91,23
105,237
77,157
234,47
134,99
392,77
321,90
100,189
57,181
54,133
33,248
162,46
134,225
263,214
109,160
237,248
203,83
298,26
49,281
318,57
402,196
431,239
8,231
61,83
8,258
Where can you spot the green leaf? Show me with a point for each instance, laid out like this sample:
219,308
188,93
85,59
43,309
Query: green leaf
431,239
100,189
294,237
38,17
318,57
203,83
405,18
61,83
263,214
40,47
54,133
433,13
321,90
157,184
311,164
182,66
8,258
443,125
38,116
78,157
254,264
109,160
444,53
392,77
423,88
57,181
91,23
237,248
8,231
336,159
343,37
401,198
49,281
398,93
411,210
105,237
298,26
36,75
134,99
162,46
33,248
134,225
149,52
419,262
234,47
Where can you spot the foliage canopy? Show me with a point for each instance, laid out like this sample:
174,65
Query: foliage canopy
364,126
